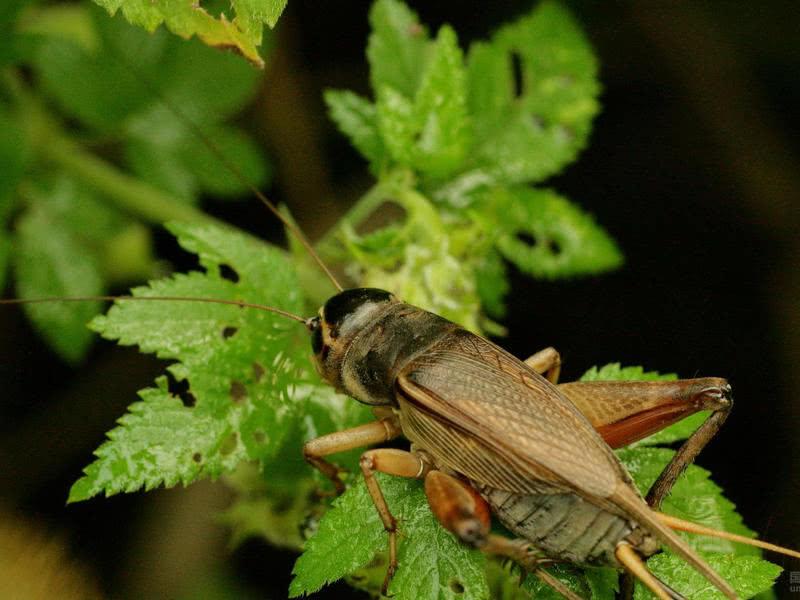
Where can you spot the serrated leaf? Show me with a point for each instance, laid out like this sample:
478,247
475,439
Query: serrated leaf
529,134
356,118
242,366
694,498
749,575
429,131
616,372
243,32
50,262
398,47
432,564
546,235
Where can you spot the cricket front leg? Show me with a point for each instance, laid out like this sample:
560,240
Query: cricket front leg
376,432
463,512
627,411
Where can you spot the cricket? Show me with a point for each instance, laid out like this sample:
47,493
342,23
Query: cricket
492,436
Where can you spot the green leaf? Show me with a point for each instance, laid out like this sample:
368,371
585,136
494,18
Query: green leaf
432,564
397,49
616,372
595,583
694,498
357,119
529,136
748,575
119,90
50,262
545,235
243,32
243,407
14,157
5,254
431,133
492,281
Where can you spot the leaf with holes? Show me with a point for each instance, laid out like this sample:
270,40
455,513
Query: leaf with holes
242,368
432,563
547,236
532,96
50,262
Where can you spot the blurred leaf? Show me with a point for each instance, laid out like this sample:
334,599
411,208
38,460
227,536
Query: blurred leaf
547,236
748,575
5,255
493,286
241,367
14,157
50,262
432,563
356,118
119,90
243,33
397,49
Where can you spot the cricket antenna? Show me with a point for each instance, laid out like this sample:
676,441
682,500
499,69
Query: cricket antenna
228,164
239,303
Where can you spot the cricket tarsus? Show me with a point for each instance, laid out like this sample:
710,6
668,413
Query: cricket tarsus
239,303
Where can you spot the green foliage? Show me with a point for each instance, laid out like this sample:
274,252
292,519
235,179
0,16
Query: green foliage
454,134
110,82
433,564
455,139
243,32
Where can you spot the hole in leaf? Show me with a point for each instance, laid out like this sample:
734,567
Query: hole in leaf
456,586
516,73
229,332
229,445
180,389
229,273
526,238
197,457
553,247
238,392
258,372
259,437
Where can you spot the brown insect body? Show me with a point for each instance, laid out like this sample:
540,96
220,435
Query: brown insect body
479,412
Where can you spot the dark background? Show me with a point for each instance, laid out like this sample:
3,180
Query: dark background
692,166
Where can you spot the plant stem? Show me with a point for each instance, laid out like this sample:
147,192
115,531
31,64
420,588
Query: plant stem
130,194
388,188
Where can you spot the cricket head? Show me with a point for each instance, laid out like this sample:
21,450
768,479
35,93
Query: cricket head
337,326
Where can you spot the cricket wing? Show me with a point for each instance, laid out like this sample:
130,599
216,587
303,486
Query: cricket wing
492,405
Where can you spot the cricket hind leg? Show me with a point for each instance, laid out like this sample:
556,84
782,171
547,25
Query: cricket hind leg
624,412
463,512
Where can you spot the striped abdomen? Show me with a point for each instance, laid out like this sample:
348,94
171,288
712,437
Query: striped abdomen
562,526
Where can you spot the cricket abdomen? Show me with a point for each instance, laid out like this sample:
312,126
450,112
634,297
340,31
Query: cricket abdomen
562,526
